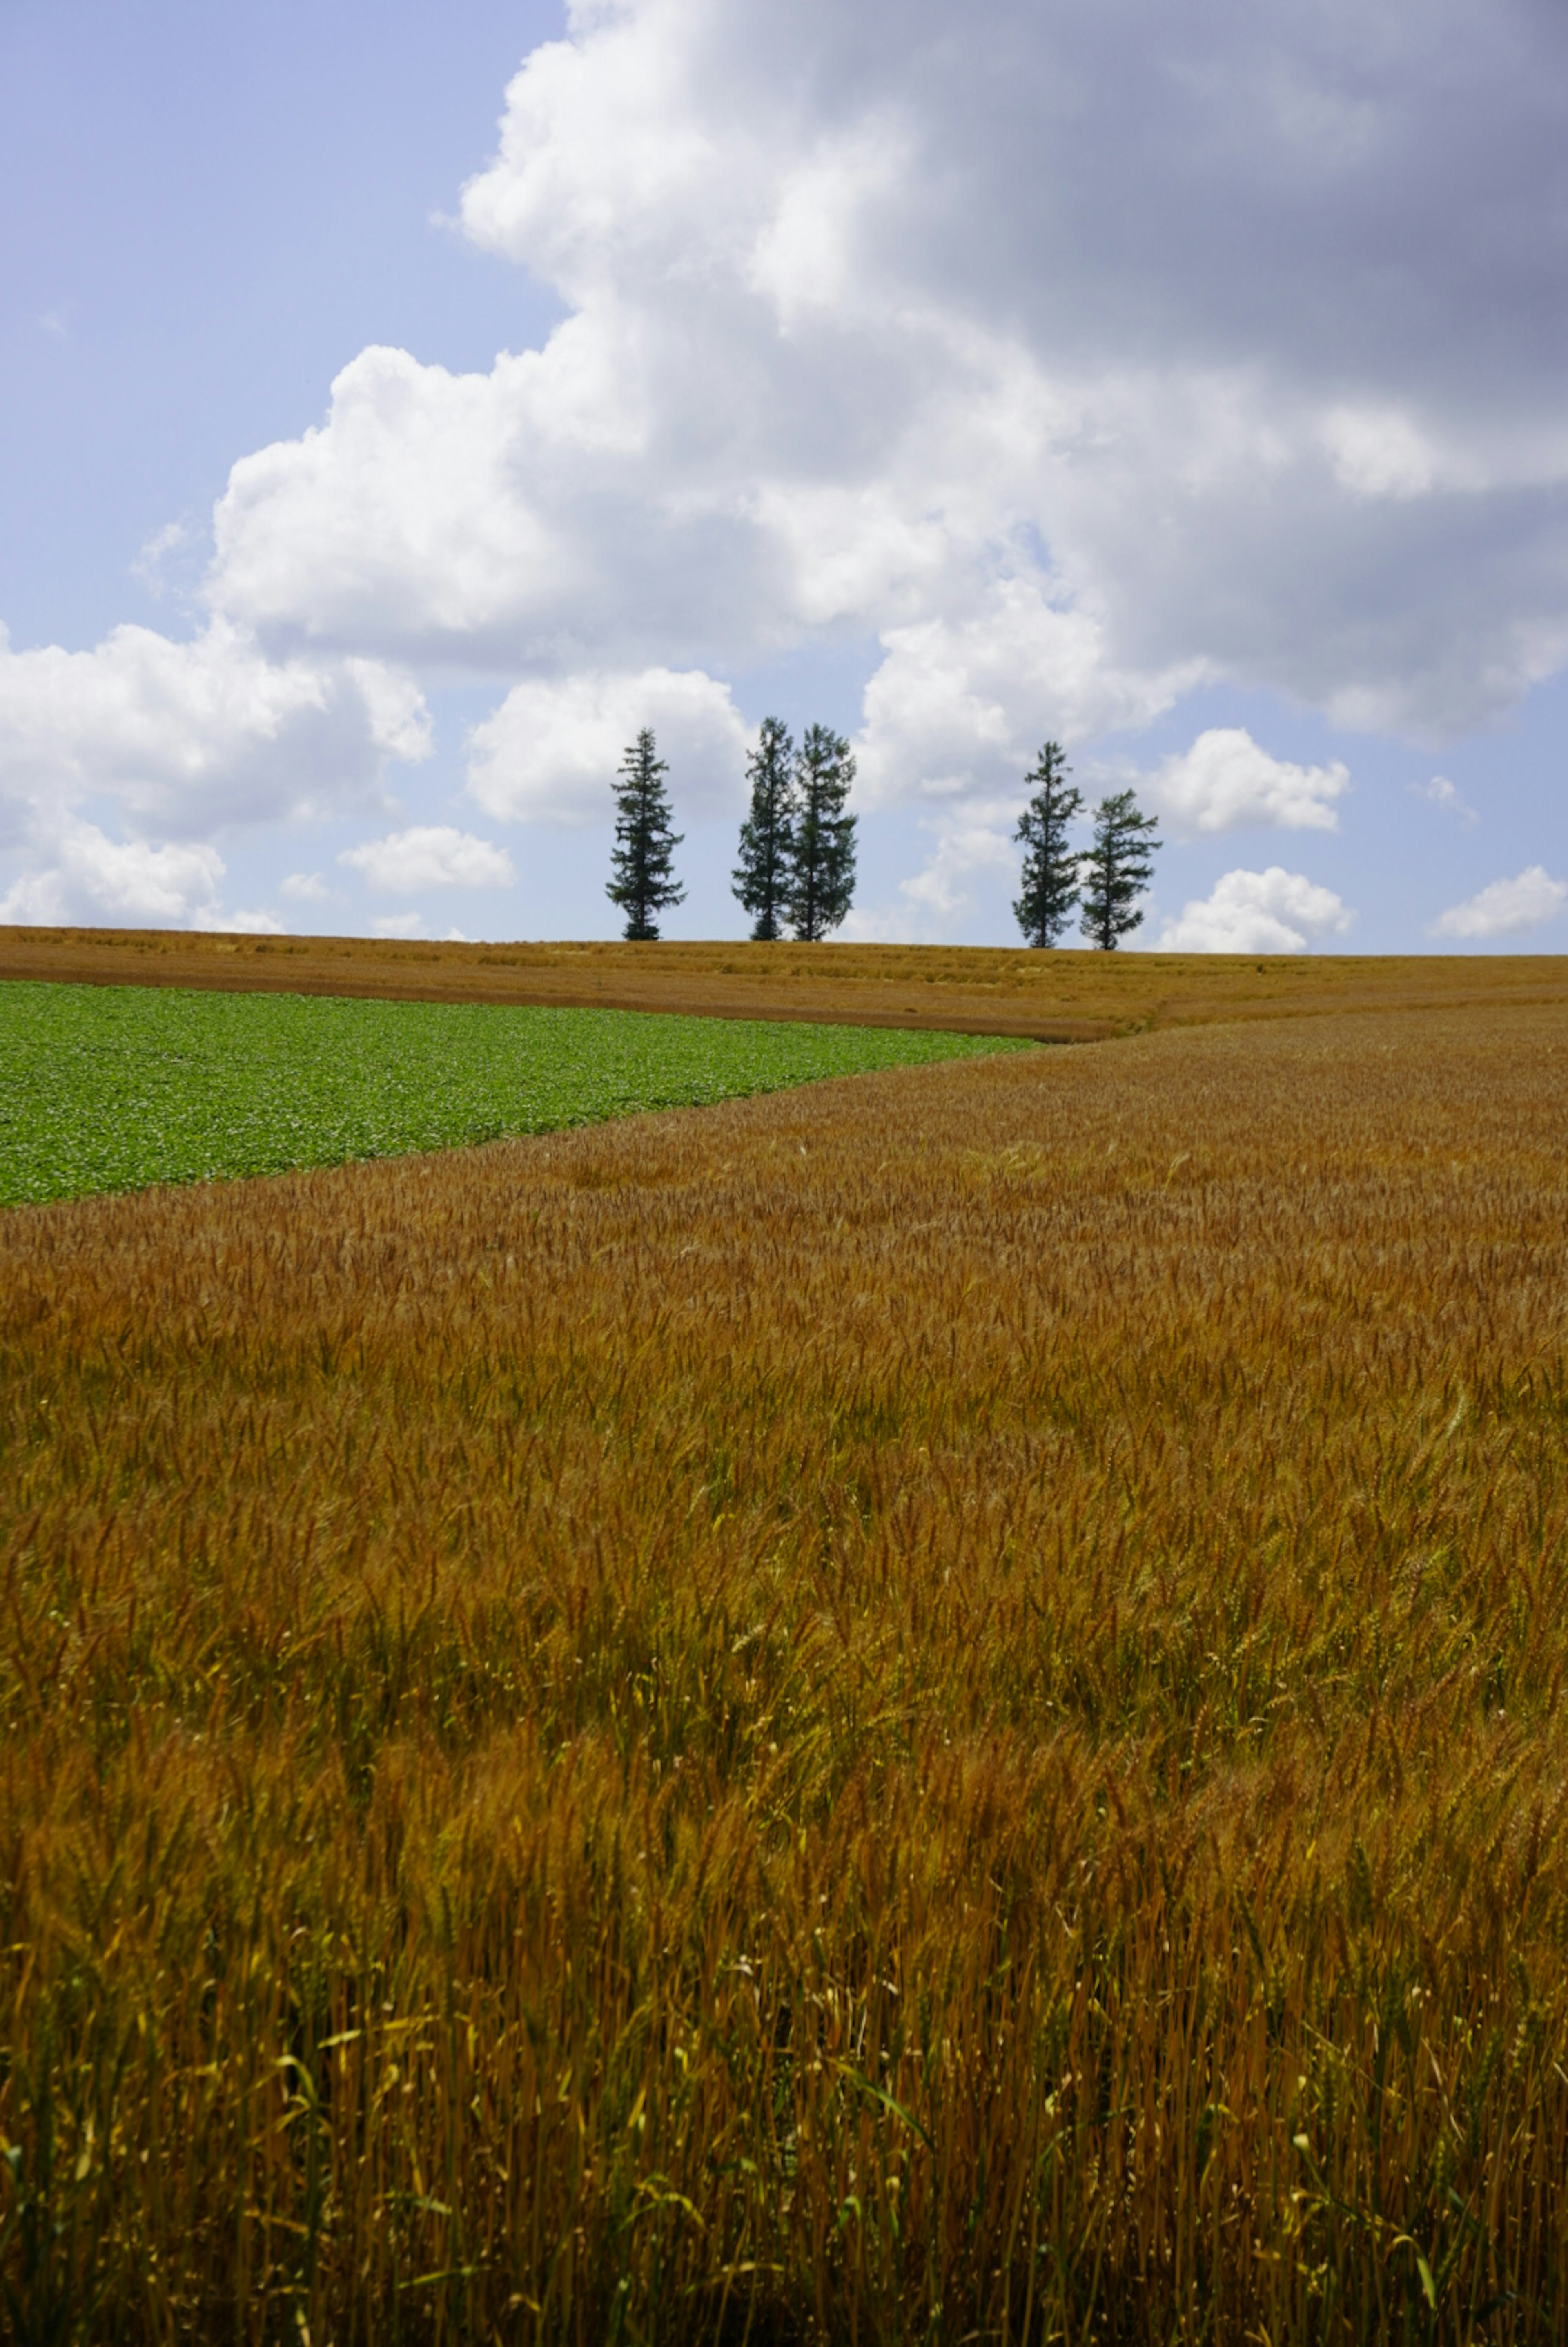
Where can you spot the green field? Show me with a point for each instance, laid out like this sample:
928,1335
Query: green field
114,1088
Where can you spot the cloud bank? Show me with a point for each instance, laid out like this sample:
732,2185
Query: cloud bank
550,753
1507,909
1257,913
1075,354
183,741
429,855
1071,358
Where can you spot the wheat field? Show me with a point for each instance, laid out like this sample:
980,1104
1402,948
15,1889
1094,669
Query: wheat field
926,1709
1060,998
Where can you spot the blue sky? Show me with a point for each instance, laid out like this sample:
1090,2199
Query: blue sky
401,405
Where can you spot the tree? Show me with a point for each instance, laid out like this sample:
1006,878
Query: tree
644,859
822,869
1052,870
763,875
1117,868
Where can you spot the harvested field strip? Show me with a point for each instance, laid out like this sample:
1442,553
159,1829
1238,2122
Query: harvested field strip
920,1711
116,1088
1059,998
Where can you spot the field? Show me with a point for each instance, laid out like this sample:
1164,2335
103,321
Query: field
113,1088
927,1709
1053,998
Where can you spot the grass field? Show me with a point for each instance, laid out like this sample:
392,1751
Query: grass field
113,1088
926,1708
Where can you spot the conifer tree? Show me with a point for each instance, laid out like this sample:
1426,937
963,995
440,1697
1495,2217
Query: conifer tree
822,877
1051,868
763,875
1117,868
642,863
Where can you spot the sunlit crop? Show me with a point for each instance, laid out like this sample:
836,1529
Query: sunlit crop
112,1087
927,1709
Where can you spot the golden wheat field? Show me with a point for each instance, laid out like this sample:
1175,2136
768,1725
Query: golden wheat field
975,990
931,1709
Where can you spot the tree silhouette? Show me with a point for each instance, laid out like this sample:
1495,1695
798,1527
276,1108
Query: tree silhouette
764,874
1052,870
822,883
643,863
1117,868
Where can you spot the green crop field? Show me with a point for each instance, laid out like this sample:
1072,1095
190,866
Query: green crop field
114,1088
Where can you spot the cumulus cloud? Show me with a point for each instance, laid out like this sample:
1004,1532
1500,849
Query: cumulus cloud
1257,912
411,924
970,844
551,751
1072,364
82,876
1506,908
872,327
1226,782
431,856
961,704
261,923
187,736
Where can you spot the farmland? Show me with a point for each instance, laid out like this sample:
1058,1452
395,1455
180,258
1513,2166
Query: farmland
1053,997
930,1708
112,1087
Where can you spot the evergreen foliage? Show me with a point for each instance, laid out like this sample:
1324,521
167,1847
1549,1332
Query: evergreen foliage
823,865
764,876
1117,869
642,863
1052,870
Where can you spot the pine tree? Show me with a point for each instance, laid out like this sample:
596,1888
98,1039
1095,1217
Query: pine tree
644,858
1117,868
822,879
762,876
1051,868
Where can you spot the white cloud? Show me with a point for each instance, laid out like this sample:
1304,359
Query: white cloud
1506,908
431,856
815,374
188,736
1382,453
961,704
1257,912
258,924
309,889
1226,781
166,552
1440,793
395,710
85,877
975,844
1059,362
550,753
407,518
410,925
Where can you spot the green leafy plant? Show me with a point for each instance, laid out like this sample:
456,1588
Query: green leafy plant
111,1088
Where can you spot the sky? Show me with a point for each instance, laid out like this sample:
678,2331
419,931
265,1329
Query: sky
400,406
